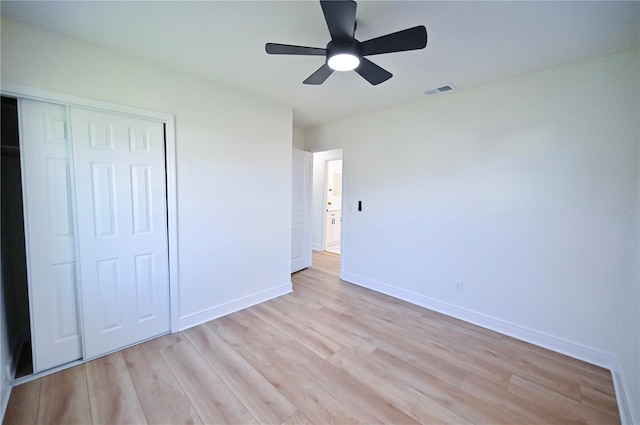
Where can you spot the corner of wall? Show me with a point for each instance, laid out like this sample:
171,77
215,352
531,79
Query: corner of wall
215,312
623,402
298,138
541,339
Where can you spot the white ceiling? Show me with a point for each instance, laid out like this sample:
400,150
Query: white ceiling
470,43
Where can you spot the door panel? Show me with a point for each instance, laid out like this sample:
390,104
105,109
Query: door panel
49,230
301,211
141,191
122,228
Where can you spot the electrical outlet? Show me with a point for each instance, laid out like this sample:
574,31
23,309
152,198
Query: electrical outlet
459,286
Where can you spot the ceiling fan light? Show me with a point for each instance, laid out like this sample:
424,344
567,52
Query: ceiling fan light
343,62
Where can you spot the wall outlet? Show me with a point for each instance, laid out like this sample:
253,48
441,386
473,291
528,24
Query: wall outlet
459,286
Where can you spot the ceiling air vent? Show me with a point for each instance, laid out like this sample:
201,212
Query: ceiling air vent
441,89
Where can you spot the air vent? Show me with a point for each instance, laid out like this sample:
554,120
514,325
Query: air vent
441,89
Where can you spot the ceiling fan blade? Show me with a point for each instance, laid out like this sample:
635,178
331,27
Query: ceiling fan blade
341,18
320,76
288,49
409,39
372,72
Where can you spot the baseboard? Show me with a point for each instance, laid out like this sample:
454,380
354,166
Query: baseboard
538,338
623,403
317,247
212,313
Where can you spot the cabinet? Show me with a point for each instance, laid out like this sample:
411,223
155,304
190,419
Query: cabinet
333,228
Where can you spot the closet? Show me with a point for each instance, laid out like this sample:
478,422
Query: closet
96,243
14,263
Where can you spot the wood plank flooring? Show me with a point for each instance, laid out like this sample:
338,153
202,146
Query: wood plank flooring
330,352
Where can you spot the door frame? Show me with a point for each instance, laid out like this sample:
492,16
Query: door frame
347,209
43,95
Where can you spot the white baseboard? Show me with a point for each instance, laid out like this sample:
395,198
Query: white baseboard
317,247
538,338
212,313
623,403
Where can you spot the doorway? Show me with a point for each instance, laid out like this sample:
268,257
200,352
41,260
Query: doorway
326,205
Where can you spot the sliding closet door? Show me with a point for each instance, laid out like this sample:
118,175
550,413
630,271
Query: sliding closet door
49,231
122,228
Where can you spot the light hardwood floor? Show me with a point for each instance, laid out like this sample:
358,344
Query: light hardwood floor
330,352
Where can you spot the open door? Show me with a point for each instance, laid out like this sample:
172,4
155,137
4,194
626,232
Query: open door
301,211
50,233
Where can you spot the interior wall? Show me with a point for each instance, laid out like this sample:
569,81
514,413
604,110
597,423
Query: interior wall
526,190
233,160
298,138
317,195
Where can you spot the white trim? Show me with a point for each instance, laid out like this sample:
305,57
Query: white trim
26,92
621,397
541,339
538,338
47,372
212,313
316,247
34,93
172,220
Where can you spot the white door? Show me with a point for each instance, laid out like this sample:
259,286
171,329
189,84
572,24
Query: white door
49,233
301,211
122,228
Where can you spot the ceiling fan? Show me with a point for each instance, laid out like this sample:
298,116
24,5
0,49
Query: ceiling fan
344,52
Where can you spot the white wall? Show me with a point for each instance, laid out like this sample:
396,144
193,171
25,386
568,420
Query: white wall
510,188
298,138
233,159
317,195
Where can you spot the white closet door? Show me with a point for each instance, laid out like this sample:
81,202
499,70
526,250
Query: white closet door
122,228
301,211
49,233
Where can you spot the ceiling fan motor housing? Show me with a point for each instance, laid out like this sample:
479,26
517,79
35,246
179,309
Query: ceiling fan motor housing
344,54
339,47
